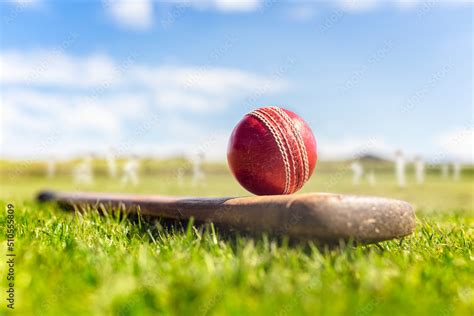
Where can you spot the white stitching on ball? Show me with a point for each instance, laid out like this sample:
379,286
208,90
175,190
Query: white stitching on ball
278,140
302,146
283,130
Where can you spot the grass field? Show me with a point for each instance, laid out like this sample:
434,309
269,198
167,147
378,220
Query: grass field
72,264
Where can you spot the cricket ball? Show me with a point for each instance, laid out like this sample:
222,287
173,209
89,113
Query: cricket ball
272,151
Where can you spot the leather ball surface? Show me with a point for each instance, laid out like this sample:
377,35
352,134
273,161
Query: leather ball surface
272,151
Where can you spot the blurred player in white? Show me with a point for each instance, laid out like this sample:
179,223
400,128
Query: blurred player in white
457,170
198,174
419,170
400,168
371,178
130,171
83,173
357,172
111,163
51,167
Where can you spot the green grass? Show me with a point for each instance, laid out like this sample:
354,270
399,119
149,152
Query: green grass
72,264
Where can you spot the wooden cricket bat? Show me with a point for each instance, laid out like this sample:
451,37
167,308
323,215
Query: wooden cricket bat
321,217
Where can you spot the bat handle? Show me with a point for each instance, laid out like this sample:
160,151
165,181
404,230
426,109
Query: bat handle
46,196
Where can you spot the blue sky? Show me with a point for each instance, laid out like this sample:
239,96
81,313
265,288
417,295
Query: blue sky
163,78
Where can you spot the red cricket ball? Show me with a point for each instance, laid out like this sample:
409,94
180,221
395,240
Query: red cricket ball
272,151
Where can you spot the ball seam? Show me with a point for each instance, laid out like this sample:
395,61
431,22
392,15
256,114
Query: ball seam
289,148
281,148
299,138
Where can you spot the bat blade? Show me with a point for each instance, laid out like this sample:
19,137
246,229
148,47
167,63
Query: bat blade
321,217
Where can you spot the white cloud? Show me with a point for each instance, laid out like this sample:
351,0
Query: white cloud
302,13
226,6
350,148
407,4
126,105
359,5
194,88
31,112
72,121
237,5
190,139
203,88
91,117
177,99
27,3
54,67
458,144
211,80
94,99
213,145
135,14
71,126
138,14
